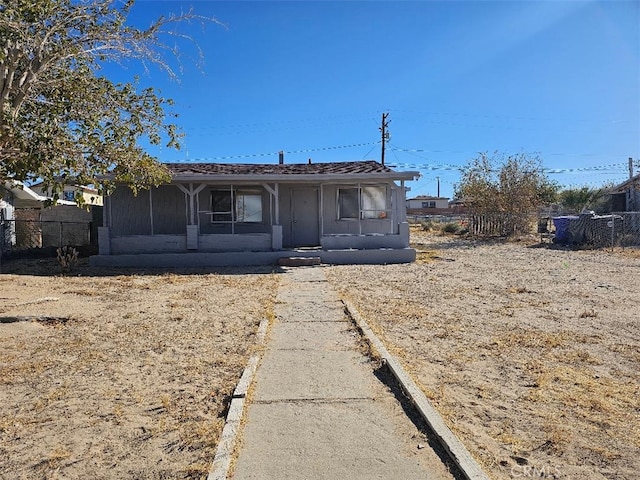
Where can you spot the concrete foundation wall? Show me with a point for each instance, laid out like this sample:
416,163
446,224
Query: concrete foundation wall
135,244
234,243
370,241
190,260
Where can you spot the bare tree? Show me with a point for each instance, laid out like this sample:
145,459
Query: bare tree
508,188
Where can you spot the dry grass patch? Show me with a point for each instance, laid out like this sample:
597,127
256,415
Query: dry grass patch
531,355
136,384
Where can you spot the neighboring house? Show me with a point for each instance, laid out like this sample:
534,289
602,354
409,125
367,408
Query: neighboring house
240,214
625,197
427,205
26,221
90,195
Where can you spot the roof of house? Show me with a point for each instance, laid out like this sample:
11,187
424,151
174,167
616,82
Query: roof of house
633,181
84,188
287,171
428,197
25,197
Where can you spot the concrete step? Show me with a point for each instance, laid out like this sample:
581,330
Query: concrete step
299,261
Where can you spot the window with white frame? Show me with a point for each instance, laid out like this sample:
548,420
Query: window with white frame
429,204
236,206
363,202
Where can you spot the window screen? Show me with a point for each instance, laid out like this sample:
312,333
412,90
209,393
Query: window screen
374,202
366,202
221,206
348,204
248,206
237,206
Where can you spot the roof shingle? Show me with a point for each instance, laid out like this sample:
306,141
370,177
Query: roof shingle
368,166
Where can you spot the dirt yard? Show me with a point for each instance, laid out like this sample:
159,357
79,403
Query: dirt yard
532,355
129,374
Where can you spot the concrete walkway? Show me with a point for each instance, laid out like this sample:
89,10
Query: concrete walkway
318,411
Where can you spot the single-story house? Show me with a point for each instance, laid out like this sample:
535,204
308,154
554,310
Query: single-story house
27,220
625,197
90,195
427,205
213,214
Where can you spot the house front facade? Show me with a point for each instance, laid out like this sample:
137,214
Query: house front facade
241,214
428,205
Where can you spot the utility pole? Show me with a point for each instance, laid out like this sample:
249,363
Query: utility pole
631,195
438,186
385,134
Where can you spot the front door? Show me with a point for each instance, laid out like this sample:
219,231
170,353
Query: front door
305,231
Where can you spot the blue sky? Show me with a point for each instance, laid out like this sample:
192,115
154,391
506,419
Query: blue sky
312,78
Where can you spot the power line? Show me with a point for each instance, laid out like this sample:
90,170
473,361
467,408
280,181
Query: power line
268,154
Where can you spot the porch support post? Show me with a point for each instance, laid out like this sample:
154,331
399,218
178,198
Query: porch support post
276,237
359,209
403,230
105,210
392,196
191,193
402,202
321,211
104,241
104,232
276,228
274,192
151,209
192,237
192,226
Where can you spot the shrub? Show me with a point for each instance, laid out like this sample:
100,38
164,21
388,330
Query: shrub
427,225
451,227
67,257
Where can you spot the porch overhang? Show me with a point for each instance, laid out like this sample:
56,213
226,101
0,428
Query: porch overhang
295,178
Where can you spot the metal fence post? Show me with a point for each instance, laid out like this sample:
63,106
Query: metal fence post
613,228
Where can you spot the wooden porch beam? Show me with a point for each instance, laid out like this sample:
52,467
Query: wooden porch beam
275,192
191,193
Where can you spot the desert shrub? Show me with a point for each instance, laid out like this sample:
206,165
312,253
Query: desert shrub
427,225
67,257
451,227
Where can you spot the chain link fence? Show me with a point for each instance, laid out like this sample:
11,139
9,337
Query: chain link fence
40,237
618,229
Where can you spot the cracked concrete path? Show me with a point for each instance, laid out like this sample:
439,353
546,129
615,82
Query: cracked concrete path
318,411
